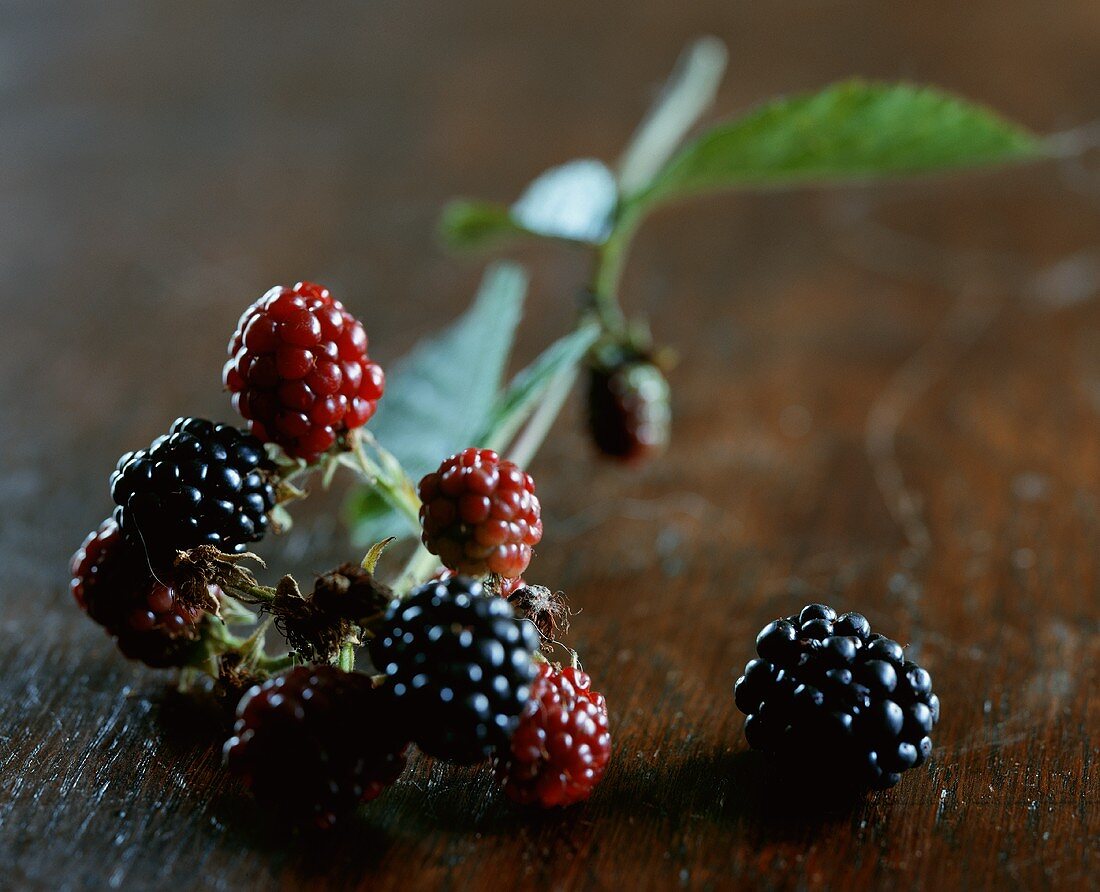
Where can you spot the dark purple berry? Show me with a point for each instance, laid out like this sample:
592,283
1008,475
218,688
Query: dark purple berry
828,692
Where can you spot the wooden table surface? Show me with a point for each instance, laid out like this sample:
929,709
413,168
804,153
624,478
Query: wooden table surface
887,399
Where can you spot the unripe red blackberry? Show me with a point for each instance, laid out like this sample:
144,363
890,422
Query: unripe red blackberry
828,694
299,370
315,743
200,484
112,584
628,407
480,514
459,667
560,750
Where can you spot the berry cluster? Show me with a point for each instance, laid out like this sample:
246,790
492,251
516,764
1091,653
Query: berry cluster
828,691
299,370
561,747
199,484
111,583
316,742
460,664
480,514
461,673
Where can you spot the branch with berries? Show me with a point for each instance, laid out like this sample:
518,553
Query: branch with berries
461,647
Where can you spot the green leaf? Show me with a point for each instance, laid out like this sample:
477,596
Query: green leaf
439,397
849,131
370,561
470,225
575,201
530,385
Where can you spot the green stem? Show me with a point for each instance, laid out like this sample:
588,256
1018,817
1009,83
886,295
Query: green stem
346,660
610,261
528,442
398,493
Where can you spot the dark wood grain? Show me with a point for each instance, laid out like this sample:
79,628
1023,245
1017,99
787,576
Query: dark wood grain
887,397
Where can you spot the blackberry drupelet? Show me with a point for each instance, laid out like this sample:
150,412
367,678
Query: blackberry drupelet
112,584
199,484
460,667
480,514
560,751
299,370
315,743
828,692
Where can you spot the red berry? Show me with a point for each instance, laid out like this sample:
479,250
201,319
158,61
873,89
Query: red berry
112,583
299,371
315,743
562,746
628,409
480,514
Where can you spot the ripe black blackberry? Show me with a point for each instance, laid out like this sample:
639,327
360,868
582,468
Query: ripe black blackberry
460,667
199,484
315,743
828,693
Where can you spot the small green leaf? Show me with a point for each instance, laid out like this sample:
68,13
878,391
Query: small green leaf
470,225
439,397
575,201
370,561
530,385
848,131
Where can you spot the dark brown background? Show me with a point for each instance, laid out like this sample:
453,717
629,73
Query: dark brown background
887,398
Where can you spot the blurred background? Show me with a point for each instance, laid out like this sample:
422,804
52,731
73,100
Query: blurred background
163,164
882,391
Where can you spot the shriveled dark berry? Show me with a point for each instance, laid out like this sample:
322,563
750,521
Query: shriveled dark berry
480,514
560,750
628,407
200,484
299,370
111,582
828,693
459,667
313,744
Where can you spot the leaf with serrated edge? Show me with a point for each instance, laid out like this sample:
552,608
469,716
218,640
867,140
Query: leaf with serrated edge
440,395
849,131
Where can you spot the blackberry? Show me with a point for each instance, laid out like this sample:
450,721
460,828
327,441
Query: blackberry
315,743
459,665
199,484
299,371
112,584
628,406
560,750
480,514
827,691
